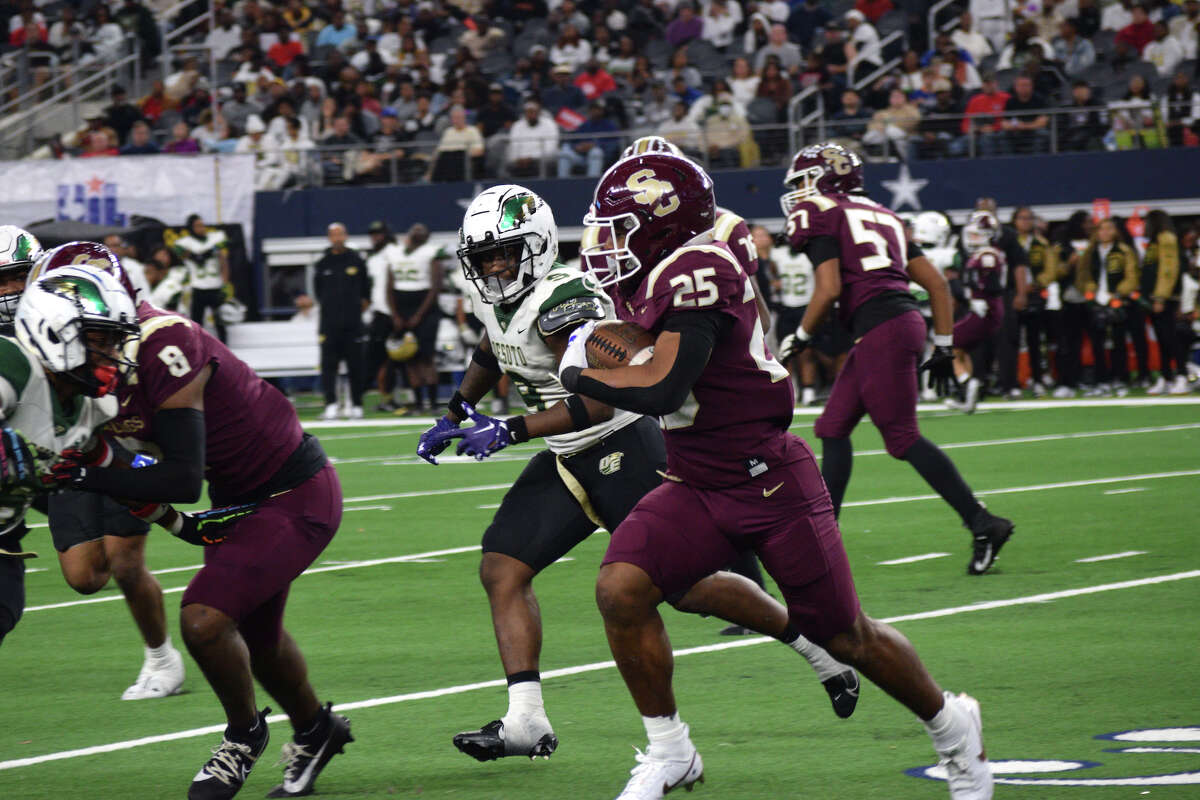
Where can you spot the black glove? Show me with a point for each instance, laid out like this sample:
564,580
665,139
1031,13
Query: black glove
210,527
941,372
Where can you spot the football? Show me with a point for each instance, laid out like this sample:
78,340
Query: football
618,344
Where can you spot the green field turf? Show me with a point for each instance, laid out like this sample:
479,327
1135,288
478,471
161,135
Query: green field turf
1051,673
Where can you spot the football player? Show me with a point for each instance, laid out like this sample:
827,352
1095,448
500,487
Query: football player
736,478
864,263
597,464
930,230
279,506
983,278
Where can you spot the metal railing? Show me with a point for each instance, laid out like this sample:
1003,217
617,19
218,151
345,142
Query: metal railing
883,69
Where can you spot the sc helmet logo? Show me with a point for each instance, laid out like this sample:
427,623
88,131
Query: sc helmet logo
611,463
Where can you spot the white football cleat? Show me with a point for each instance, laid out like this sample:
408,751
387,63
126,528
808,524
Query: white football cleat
1159,386
330,413
157,680
1064,393
1179,385
356,412
654,777
967,770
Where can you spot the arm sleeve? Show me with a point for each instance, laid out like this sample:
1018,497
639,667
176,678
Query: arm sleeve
177,478
698,332
820,249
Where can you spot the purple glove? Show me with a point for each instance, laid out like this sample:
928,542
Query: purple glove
487,436
437,439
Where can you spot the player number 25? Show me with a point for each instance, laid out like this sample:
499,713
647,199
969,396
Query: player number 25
698,283
858,219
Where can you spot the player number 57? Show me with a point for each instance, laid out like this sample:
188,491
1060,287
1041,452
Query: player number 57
859,218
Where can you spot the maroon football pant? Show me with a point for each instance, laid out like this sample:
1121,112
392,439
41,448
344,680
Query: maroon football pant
679,534
973,329
879,378
247,576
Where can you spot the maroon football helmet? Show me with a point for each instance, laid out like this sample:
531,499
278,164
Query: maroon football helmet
645,208
823,168
87,253
982,230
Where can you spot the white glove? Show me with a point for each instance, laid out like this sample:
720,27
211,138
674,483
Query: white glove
979,308
576,353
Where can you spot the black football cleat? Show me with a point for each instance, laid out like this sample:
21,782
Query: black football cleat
843,692
736,630
303,761
222,776
487,744
990,532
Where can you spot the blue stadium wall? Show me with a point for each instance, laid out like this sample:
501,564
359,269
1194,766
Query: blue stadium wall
1143,177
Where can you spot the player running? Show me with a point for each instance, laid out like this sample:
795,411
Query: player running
207,415
596,467
983,278
736,477
864,262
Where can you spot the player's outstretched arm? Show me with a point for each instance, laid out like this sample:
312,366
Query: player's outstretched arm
660,385
482,374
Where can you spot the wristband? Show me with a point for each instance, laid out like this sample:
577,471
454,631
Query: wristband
580,417
151,512
455,405
802,334
943,340
177,525
518,431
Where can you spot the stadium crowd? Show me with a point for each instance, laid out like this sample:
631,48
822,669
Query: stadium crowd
401,91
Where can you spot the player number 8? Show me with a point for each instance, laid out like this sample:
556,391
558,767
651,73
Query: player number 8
176,361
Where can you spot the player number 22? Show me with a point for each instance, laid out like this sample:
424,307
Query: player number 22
858,219
176,361
698,283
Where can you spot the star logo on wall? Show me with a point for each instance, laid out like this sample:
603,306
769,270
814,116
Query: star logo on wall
905,189
95,184
465,202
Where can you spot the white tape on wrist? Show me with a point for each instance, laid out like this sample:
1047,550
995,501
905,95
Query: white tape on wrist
946,340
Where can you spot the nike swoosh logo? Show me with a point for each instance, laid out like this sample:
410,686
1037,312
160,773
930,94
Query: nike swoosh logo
522,330
769,492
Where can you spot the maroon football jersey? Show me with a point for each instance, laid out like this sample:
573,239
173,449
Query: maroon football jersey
731,427
871,243
250,428
986,272
735,232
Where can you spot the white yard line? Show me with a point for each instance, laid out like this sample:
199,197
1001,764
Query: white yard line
498,486
1127,491
594,667
1110,556
911,559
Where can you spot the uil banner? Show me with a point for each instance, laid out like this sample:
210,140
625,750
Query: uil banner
110,191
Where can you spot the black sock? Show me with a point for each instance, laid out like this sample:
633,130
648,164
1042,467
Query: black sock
746,565
524,676
247,735
315,728
940,473
790,634
431,394
837,456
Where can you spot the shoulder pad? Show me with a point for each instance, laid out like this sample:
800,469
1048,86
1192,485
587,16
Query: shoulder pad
570,312
811,218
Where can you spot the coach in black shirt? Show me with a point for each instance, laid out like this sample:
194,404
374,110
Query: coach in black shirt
343,290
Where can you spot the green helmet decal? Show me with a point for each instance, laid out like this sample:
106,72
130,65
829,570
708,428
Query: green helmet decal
85,293
515,211
24,249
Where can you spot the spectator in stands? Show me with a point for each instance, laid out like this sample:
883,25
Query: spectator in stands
494,119
975,43
679,68
894,125
1164,52
180,83
107,37
1025,39
726,132
707,104
941,126
481,37
562,93
622,61
532,142
594,81
983,118
570,49
1135,118
139,20
238,109
1076,53
911,72
774,85
851,120
181,140
155,103
1138,33
568,13
682,131
210,134
121,114
459,151
1027,133
742,82
1185,28
98,144
1183,110
778,45
1084,126
925,93
298,17
805,20
140,143
685,27
386,148
862,49
339,160
873,10
28,29
758,33
721,18
225,36
594,152
64,33
833,53
656,108
337,32
682,91
1117,15
1047,19
284,51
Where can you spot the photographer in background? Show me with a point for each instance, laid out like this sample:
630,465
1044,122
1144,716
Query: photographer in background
205,253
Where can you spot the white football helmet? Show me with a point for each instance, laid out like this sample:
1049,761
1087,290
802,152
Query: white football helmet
515,223
75,312
931,229
651,144
18,250
982,230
